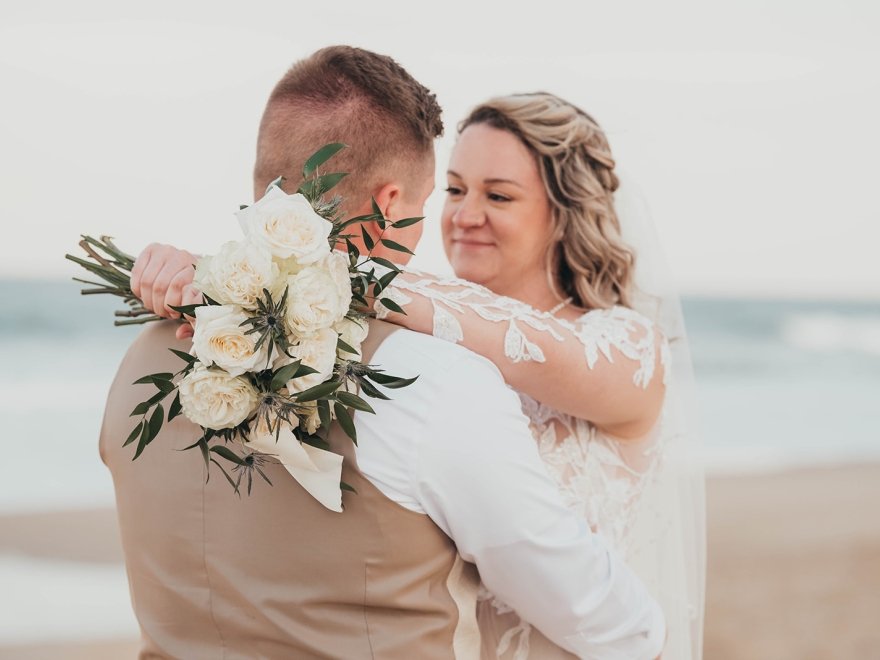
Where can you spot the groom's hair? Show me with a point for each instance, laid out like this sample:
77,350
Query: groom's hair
363,99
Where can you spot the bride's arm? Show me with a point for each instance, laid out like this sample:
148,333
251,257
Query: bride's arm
607,367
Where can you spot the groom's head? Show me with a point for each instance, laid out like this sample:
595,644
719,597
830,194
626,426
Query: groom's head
369,102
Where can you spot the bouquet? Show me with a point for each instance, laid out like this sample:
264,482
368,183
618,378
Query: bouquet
276,345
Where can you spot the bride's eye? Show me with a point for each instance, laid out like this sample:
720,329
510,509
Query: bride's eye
495,197
452,190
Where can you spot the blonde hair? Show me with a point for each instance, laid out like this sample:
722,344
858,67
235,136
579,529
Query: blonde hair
587,255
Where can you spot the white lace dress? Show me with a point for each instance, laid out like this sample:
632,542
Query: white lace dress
601,478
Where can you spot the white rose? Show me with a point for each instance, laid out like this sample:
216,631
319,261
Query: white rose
317,351
220,339
319,295
352,333
238,273
288,226
312,419
216,400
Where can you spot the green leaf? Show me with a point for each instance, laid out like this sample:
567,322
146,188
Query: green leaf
141,408
186,357
152,378
175,408
344,347
165,386
143,442
352,248
187,310
316,441
284,374
348,487
392,382
228,454
320,157
393,306
406,222
370,217
394,245
388,264
354,401
134,434
371,391
345,421
368,240
156,420
225,474
319,391
158,396
387,278
324,412
326,182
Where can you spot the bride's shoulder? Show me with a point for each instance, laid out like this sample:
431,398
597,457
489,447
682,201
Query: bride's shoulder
616,316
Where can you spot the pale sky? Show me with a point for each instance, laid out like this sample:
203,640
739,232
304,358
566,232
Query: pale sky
750,127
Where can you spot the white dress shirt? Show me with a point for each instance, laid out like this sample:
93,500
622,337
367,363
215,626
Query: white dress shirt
457,447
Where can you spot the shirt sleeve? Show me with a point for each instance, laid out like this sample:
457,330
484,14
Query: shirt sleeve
479,476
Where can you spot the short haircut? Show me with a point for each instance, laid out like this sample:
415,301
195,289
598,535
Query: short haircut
344,94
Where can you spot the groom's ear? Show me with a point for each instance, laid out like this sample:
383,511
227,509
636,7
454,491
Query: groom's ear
389,198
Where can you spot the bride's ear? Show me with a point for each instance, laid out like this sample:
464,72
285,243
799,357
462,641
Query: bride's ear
388,197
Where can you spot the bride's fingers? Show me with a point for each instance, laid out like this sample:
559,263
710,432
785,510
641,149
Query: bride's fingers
174,294
184,331
137,271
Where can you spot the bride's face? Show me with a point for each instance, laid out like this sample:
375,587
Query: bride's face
497,218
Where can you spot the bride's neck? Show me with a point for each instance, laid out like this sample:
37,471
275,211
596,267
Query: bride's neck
535,292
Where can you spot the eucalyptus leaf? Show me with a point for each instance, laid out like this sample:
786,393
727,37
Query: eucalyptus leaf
186,357
345,421
406,222
228,454
319,391
134,434
156,420
284,374
348,487
354,401
393,306
175,408
143,442
369,243
371,391
141,408
320,157
392,382
387,264
394,245
187,310
315,441
344,347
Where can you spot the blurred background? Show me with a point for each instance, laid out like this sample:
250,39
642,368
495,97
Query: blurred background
750,128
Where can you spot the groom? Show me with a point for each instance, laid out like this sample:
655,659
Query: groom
448,477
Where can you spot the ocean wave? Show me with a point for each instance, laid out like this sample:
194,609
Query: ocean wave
825,332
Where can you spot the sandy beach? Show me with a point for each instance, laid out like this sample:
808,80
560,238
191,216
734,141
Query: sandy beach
794,566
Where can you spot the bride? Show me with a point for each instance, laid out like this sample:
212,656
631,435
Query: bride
582,323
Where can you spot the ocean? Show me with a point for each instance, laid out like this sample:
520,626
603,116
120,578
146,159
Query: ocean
779,383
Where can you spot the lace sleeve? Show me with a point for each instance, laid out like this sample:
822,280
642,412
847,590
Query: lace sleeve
602,367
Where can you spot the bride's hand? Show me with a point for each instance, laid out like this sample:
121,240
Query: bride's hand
160,277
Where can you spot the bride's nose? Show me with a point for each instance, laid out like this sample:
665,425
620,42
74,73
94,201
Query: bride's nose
468,214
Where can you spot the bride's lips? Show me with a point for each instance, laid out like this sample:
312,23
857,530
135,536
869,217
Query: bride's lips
471,243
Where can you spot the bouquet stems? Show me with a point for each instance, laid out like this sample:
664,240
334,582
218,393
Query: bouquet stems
110,264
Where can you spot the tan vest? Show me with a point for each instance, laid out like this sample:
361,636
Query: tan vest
274,574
